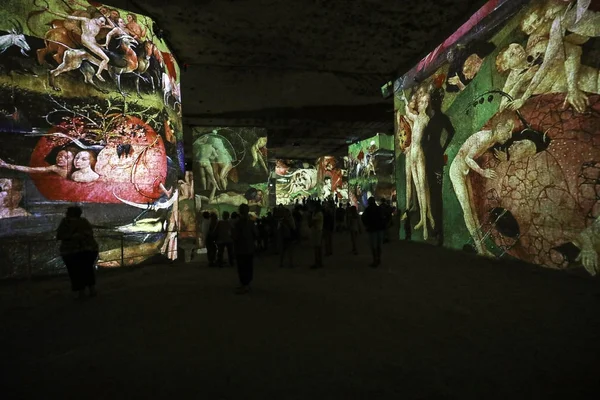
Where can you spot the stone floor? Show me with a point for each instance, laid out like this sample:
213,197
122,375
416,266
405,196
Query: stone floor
429,324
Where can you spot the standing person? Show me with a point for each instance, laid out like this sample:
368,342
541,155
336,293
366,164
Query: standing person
328,227
224,240
304,223
286,230
407,227
298,219
79,251
386,211
340,217
353,225
316,232
211,239
244,235
373,221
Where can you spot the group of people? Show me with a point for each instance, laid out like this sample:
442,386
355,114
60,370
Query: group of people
320,219
235,233
241,236
312,220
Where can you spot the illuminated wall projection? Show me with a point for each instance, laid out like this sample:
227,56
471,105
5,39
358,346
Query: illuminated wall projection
332,179
370,166
498,135
90,114
230,169
296,179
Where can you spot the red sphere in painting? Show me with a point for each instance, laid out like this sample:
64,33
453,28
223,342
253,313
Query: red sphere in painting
132,165
547,189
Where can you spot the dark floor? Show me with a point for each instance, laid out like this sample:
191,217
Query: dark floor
428,324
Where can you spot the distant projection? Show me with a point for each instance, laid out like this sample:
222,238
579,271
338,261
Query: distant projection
370,166
498,154
230,169
332,179
295,180
300,180
90,113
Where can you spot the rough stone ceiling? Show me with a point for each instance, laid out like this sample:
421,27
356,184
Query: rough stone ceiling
274,58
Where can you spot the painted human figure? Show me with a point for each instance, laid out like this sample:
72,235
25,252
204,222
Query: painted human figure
63,166
470,68
90,28
134,28
420,120
234,199
370,168
588,242
326,193
553,20
515,59
257,157
518,150
464,162
186,186
119,30
169,246
404,138
187,235
84,162
223,160
11,193
205,154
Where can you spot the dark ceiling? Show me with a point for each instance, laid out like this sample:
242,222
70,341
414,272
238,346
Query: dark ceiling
308,70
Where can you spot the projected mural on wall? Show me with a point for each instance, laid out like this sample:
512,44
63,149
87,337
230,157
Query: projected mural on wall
230,169
332,179
90,113
497,137
325,179
370,166
295,180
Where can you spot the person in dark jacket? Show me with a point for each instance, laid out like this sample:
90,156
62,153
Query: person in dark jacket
297,215
374,223
387,211
79,251
407,227
224,240
244,236
328,227
211,239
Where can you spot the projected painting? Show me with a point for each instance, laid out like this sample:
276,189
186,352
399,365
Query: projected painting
90,114
230,169
370,166
498,137
332,179
296,180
